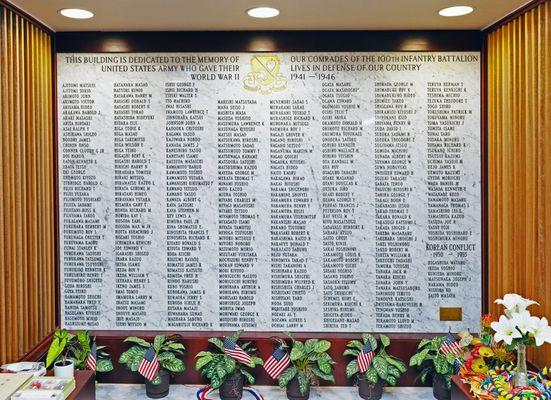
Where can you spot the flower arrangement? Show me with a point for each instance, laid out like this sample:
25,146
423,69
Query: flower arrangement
490,370
485,353
517,325
517,328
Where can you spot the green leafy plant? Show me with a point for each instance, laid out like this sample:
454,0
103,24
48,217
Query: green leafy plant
216,365
60,347
310,362
103,360
166,349
76,347
384,367
430,360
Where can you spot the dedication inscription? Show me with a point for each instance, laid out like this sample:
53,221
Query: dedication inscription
289,191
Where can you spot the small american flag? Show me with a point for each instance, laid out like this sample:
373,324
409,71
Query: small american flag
457,364
91,359
236,352
149,366
277,363
365,357
450,345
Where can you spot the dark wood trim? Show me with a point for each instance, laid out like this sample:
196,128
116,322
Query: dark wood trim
85,386
515,14
402,346
460,391
268,41
24,14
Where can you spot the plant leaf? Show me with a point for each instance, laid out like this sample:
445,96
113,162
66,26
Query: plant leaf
173,364
303,383
297,351
218,343
372,341
229,364
352,368
392,380
249,377
202,361
257,360
351,352
355,344
322,346
237,335
158,342
371,375
328,377
384,340
396,363
138,341
325,366
104,365
215,381
287,376
381,367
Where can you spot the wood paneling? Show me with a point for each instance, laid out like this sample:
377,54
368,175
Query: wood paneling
27,267
519,161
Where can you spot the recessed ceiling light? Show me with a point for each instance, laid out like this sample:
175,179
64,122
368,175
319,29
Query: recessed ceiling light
455,11
76,13
263,12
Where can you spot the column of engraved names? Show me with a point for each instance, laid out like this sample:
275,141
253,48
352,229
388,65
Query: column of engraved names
341,258
394,105
291,212
133,182
449,245
82,228
238,147
185,125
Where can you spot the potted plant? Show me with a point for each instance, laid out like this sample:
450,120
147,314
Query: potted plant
382,368
438,363
59,352
80,349
226,366
309,363
166,350
70,351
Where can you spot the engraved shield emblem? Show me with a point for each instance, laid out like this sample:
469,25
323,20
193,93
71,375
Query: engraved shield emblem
265,68
265,76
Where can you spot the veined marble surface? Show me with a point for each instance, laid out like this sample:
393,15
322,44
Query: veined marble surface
188,392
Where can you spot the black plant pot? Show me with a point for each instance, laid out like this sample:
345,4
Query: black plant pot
161,390
232,388
293,391
440,390
368,390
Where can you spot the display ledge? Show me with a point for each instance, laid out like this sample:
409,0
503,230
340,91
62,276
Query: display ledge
189,392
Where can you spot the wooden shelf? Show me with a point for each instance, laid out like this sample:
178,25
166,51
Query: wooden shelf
460,391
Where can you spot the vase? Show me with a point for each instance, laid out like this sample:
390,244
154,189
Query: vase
440,389
293,391
232,388
521,374
368,390
64,369
161,390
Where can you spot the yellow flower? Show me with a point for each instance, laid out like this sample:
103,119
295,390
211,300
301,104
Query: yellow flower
475,340
479,366
485,352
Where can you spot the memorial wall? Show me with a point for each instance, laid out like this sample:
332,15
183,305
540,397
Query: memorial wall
334,192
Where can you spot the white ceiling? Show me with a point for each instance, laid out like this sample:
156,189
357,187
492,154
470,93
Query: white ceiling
135,15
